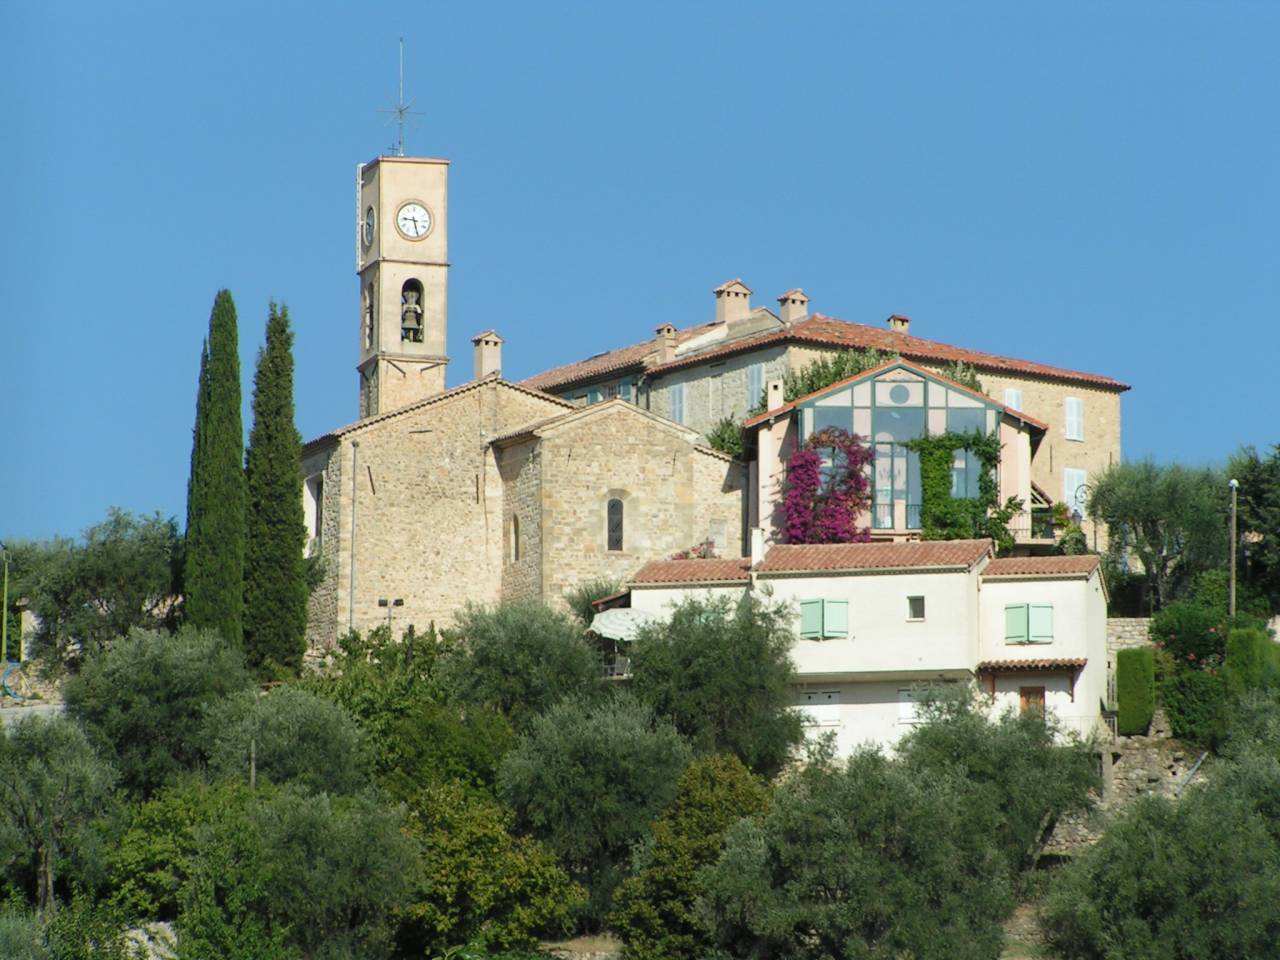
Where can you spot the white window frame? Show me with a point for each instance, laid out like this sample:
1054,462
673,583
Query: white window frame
676,394
1013,397
821,708
1073,412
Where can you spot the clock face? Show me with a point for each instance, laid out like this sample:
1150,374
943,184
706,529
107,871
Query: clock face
413,220
367,231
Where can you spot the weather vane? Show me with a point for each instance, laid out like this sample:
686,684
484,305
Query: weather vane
401,112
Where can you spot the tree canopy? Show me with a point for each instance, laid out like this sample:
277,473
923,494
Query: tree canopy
1173,519
216,493
275,589
1259,519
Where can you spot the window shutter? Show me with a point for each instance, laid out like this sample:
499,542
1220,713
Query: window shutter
1013,397
1015,623
1075,418
811,618
1041,622
835,618
677,403
593,395
624,389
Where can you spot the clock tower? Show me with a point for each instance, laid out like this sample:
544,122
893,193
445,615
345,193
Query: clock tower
402,258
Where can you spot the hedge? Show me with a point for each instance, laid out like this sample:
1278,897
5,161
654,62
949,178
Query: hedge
1253,661
1136,689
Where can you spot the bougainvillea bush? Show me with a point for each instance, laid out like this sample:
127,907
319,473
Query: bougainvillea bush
827,489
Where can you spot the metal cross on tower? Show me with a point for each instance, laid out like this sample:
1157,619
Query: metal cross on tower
401,112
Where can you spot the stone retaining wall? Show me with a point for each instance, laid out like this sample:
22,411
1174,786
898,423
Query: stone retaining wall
1126,632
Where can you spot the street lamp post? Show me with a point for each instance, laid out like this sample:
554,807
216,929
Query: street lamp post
1231,596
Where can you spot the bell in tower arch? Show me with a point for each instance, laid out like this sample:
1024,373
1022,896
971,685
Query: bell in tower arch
411,312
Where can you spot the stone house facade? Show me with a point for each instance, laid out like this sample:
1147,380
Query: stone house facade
701,374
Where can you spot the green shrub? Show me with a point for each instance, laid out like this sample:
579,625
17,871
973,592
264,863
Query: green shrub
1195,702
1192,634
587,780
1018,778
1136,689
721,671
521,658
655,912
21,936
291,736
1195,879
869,860
1253,662
581,597
143,701
478,884
726,436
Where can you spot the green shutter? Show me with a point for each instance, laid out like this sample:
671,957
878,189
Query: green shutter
811,618
1041,622
1015,623
835,618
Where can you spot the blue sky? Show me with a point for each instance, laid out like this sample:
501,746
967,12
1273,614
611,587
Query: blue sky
1092,185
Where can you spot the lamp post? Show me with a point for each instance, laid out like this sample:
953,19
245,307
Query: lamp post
1231,596
4,609
390,605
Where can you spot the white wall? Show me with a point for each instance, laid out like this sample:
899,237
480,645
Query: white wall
882,638
864,712
1079,630
661,599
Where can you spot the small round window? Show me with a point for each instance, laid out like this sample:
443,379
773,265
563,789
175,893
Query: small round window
899,393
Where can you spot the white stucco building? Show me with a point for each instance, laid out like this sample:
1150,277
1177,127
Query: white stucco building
872,620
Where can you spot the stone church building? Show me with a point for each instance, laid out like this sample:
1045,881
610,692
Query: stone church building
490,490
495,490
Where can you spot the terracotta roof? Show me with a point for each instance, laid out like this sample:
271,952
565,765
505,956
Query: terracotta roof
735,282
494,378
760,418
808,558
819,330
1014,666
730,570
795,293
1042,566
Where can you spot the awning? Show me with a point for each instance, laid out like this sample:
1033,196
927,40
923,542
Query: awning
622,623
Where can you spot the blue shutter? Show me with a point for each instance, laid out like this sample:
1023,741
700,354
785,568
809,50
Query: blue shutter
1041,621
811,619
1015,623
835,618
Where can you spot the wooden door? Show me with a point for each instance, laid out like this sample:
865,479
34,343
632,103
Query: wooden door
1031,698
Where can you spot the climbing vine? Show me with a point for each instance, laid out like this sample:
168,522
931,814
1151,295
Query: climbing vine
820,508
944,517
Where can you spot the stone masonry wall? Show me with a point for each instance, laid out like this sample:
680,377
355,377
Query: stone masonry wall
670,491
521,471
1126,632
428,512
715,391
322,606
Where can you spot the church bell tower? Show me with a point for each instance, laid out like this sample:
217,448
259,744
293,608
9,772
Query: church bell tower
402,258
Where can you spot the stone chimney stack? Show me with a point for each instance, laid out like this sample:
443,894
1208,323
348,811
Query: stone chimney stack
775,395
733,301
666,341
899,324
488,353
794,306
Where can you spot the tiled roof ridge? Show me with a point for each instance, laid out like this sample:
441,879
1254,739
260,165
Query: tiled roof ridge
1038,663
1077,564
834,557
815,328
493,378
695,570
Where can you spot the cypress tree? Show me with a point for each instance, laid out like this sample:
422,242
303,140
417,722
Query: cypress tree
275,591
213,572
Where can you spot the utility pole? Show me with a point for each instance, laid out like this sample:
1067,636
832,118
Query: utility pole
1231,597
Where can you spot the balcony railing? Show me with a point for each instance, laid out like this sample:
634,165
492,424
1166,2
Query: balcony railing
1038,525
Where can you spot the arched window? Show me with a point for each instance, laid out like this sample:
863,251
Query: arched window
411,317
514,533
615,524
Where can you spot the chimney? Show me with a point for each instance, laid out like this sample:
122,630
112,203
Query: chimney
775,395
666,340
794,306
488,353
899,324
733,301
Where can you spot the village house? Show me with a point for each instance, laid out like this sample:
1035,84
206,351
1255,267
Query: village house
874,621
